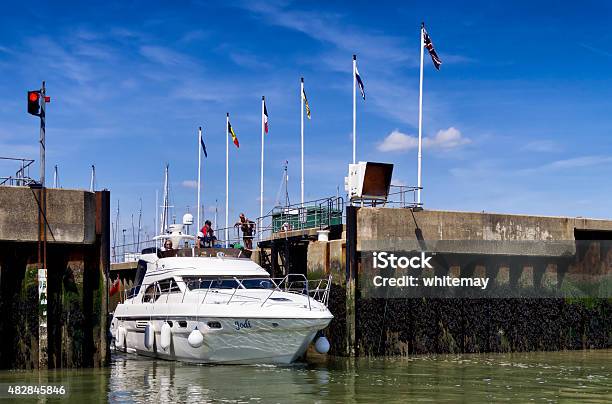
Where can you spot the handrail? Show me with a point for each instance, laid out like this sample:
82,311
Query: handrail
316,214
319,293
319,213
22,175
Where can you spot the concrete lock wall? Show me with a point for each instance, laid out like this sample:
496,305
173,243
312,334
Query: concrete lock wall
389,225
77,260
426,325
70,215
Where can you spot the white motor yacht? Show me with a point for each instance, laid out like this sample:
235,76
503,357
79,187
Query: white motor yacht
203,305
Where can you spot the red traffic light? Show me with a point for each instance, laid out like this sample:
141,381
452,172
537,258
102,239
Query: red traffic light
34,102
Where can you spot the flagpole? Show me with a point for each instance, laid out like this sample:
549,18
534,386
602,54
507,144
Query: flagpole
261,187
354,109
302,134
199,175
419,157
227,180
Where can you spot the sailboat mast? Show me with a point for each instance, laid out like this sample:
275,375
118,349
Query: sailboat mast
139,226
286,183
164,217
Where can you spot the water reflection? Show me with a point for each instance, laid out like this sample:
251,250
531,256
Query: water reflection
548,376
144,380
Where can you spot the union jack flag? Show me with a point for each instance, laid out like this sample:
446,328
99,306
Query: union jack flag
430,48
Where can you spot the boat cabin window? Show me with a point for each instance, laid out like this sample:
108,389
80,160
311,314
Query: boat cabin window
257,283
141,270
155,290
169,286
194,283
151,293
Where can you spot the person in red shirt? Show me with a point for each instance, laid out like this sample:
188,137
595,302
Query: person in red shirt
208,235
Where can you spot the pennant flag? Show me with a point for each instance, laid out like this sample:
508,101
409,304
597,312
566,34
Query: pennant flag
234,137
114,287
203,146
265,117
359,82
306,103
430,48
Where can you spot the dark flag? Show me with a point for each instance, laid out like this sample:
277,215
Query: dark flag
359,82
265,117
430,48
203,146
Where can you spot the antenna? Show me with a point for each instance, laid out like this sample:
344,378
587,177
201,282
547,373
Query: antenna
156,212
133,232
286,183
55,177
115,230
123,244
139,226
216,211
92,183
164,217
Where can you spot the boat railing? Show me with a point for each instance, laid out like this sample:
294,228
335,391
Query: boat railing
317,289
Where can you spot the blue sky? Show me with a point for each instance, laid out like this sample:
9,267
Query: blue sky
517,120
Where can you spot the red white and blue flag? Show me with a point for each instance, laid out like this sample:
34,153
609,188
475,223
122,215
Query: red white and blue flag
430,48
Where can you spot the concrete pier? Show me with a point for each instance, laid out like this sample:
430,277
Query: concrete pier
59,321
500,246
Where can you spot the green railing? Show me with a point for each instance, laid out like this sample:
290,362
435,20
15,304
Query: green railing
317,214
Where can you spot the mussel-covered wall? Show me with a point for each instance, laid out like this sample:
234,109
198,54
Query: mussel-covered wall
423,326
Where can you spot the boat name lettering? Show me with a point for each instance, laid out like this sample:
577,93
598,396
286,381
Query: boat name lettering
240,325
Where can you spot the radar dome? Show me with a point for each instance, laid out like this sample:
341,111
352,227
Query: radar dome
188,219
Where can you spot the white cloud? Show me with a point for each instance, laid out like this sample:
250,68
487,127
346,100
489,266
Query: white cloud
165,56
398,141
190,184
578,162
445,139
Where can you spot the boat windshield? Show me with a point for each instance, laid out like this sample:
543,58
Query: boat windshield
194,283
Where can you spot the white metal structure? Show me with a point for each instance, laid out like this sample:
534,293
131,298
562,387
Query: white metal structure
218,309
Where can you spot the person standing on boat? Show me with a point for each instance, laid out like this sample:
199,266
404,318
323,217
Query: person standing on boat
247,227
208,235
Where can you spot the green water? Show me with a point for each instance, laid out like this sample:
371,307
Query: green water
584,376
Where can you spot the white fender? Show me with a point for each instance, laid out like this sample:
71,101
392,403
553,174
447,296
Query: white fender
322,345
120,338
166,336
195,338
149,338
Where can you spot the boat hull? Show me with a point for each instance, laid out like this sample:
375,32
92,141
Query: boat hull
232,340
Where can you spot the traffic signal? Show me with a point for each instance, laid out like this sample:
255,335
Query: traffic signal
34,102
